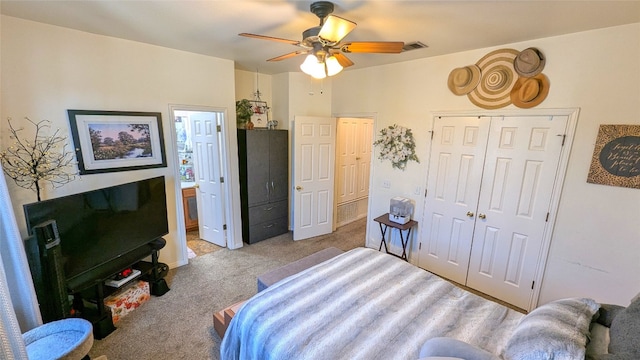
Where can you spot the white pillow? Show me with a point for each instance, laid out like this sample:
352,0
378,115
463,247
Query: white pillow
554,331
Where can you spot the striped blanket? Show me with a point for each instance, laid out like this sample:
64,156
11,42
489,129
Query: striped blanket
362,304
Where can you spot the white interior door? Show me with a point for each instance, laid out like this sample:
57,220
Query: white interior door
364,142
314,142
456,163
207,165
355,139
522,159
346,157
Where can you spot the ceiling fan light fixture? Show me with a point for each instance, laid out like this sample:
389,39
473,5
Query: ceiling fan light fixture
311,66
323,46
335,29
333,66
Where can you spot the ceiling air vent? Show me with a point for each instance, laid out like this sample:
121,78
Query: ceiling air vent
413,46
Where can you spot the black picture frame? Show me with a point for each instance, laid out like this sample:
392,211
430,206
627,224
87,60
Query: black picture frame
109,141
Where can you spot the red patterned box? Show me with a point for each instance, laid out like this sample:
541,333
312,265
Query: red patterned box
128,299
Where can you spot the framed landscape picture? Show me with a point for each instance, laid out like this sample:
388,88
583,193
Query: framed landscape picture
107,141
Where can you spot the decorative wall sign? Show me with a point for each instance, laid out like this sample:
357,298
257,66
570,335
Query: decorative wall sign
616,156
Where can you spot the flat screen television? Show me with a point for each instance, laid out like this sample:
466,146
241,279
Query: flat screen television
99,226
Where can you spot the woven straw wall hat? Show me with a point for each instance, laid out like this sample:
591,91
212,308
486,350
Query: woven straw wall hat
498,77
462,80
529,62
530,91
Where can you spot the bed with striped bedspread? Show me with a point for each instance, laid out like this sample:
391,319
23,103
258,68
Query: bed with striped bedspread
362,304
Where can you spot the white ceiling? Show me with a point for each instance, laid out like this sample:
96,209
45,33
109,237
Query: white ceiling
212,27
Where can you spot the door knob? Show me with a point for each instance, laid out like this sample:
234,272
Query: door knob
482,216
469,214
298,187
196,186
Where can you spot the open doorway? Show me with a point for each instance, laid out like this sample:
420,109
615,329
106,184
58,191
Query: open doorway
201,153
354,142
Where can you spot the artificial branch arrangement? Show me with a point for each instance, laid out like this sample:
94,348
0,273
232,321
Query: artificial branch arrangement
42,159
397,145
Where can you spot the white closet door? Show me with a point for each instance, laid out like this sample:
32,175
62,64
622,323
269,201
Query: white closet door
455,170
354,143
364,143
347,163
520,168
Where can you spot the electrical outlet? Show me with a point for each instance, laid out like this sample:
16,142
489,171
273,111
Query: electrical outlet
386,184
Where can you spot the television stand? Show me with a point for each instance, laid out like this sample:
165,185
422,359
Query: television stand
152,272
155,271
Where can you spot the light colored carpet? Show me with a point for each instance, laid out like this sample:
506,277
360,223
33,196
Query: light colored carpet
179,324
199,246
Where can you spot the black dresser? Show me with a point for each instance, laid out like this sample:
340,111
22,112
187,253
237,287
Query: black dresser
264,183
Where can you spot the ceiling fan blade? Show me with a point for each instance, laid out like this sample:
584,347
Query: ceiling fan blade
343,59
289,55
335,29
385,47
271,38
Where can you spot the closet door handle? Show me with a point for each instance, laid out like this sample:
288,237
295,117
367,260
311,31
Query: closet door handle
482,216
298,187
470,214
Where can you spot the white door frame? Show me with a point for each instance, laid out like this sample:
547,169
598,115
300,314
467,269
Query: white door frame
374,117
367,116
572,120
232,195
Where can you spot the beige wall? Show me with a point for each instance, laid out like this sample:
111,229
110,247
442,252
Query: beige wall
595,247
47,70
246,83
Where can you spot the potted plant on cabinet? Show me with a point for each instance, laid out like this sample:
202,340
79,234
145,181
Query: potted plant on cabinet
244,110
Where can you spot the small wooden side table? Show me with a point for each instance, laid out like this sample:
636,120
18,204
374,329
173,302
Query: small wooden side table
385,223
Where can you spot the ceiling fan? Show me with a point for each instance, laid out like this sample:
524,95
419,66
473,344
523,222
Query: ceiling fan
323,44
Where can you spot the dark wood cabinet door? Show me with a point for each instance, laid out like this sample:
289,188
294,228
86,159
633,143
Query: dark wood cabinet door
189,201
278,165
258,181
